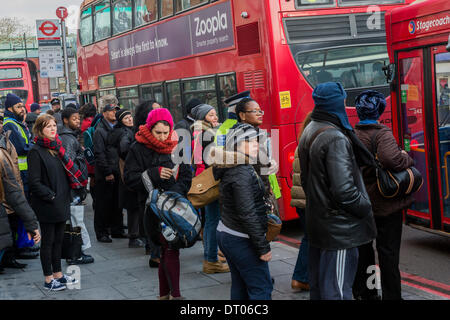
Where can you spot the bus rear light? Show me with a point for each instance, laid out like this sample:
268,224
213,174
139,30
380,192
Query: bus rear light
291,157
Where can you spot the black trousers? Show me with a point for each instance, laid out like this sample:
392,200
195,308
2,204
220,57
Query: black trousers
108,214
388,243
52,235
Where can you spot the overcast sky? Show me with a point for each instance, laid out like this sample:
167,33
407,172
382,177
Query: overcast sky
31,10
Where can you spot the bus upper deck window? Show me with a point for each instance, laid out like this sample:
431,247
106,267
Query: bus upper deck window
145,11
122,16
166,8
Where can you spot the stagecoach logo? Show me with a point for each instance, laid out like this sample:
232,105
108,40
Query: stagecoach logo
412,27
439,22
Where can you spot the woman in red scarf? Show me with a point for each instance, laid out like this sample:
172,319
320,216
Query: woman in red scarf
156,142
52,175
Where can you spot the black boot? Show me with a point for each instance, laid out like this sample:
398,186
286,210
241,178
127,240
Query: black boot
10,262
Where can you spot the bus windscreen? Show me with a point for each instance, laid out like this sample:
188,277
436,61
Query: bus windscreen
354,67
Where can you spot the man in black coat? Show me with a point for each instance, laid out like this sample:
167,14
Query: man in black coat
107,211
68,134
339,215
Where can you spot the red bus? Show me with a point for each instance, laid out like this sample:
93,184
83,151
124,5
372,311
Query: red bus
418,45
20,78
280,50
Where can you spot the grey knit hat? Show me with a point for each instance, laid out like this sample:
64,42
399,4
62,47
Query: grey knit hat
199,112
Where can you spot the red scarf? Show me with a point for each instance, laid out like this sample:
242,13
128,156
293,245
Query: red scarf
145,137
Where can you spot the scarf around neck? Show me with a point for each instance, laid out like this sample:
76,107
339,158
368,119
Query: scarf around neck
77,178
145,136
363,156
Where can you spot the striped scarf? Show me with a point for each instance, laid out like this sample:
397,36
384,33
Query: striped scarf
77,179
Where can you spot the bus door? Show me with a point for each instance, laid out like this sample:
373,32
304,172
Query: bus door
424,107
440,62
412,133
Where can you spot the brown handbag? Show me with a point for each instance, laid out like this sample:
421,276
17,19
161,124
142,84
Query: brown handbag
204,189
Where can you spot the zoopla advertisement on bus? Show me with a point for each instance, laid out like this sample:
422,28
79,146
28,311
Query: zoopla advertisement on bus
199,32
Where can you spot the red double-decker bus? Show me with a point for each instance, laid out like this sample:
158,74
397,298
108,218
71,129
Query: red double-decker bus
419,49
174,50
19,77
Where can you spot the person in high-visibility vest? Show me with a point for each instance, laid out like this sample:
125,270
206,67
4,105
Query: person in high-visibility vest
20,136
230,103
248,111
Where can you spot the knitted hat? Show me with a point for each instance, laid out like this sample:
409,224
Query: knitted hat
35,106
191,104
12,100
370,105
199,112
161,114
330,97
241,132
122,113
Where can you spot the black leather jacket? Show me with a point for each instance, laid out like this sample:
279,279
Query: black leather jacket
338,210
242,202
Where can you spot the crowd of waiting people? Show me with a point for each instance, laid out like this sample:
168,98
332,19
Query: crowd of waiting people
45,170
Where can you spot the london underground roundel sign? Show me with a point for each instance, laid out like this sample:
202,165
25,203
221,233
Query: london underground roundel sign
48,28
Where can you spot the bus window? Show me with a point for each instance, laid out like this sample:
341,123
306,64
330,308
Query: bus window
442,62
86,27
202,89
22,94
186,4
145,11
174,98
314,3
128,98
227,89
102,21
166,8
354,67
122,16
10,73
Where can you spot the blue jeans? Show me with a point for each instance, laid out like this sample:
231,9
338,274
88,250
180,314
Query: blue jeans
301,267
250,276
1,254
212,218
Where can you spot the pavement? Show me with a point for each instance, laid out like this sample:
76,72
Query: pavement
122,273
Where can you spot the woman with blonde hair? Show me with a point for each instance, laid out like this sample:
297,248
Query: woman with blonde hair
52,175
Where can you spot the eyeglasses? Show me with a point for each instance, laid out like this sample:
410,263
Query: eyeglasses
255,111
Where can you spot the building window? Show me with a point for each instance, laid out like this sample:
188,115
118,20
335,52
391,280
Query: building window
102,21
166,8
145,11
122,16
86,27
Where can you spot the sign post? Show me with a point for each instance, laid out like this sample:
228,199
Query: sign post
62,14
50,57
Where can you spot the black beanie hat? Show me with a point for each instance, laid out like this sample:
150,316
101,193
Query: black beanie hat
192,104
122,113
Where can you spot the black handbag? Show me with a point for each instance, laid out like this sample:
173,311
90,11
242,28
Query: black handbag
393,184
72,242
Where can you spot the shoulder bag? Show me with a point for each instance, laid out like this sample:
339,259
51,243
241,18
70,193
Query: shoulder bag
393,184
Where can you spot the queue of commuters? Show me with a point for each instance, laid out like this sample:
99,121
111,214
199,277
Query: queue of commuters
340,208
